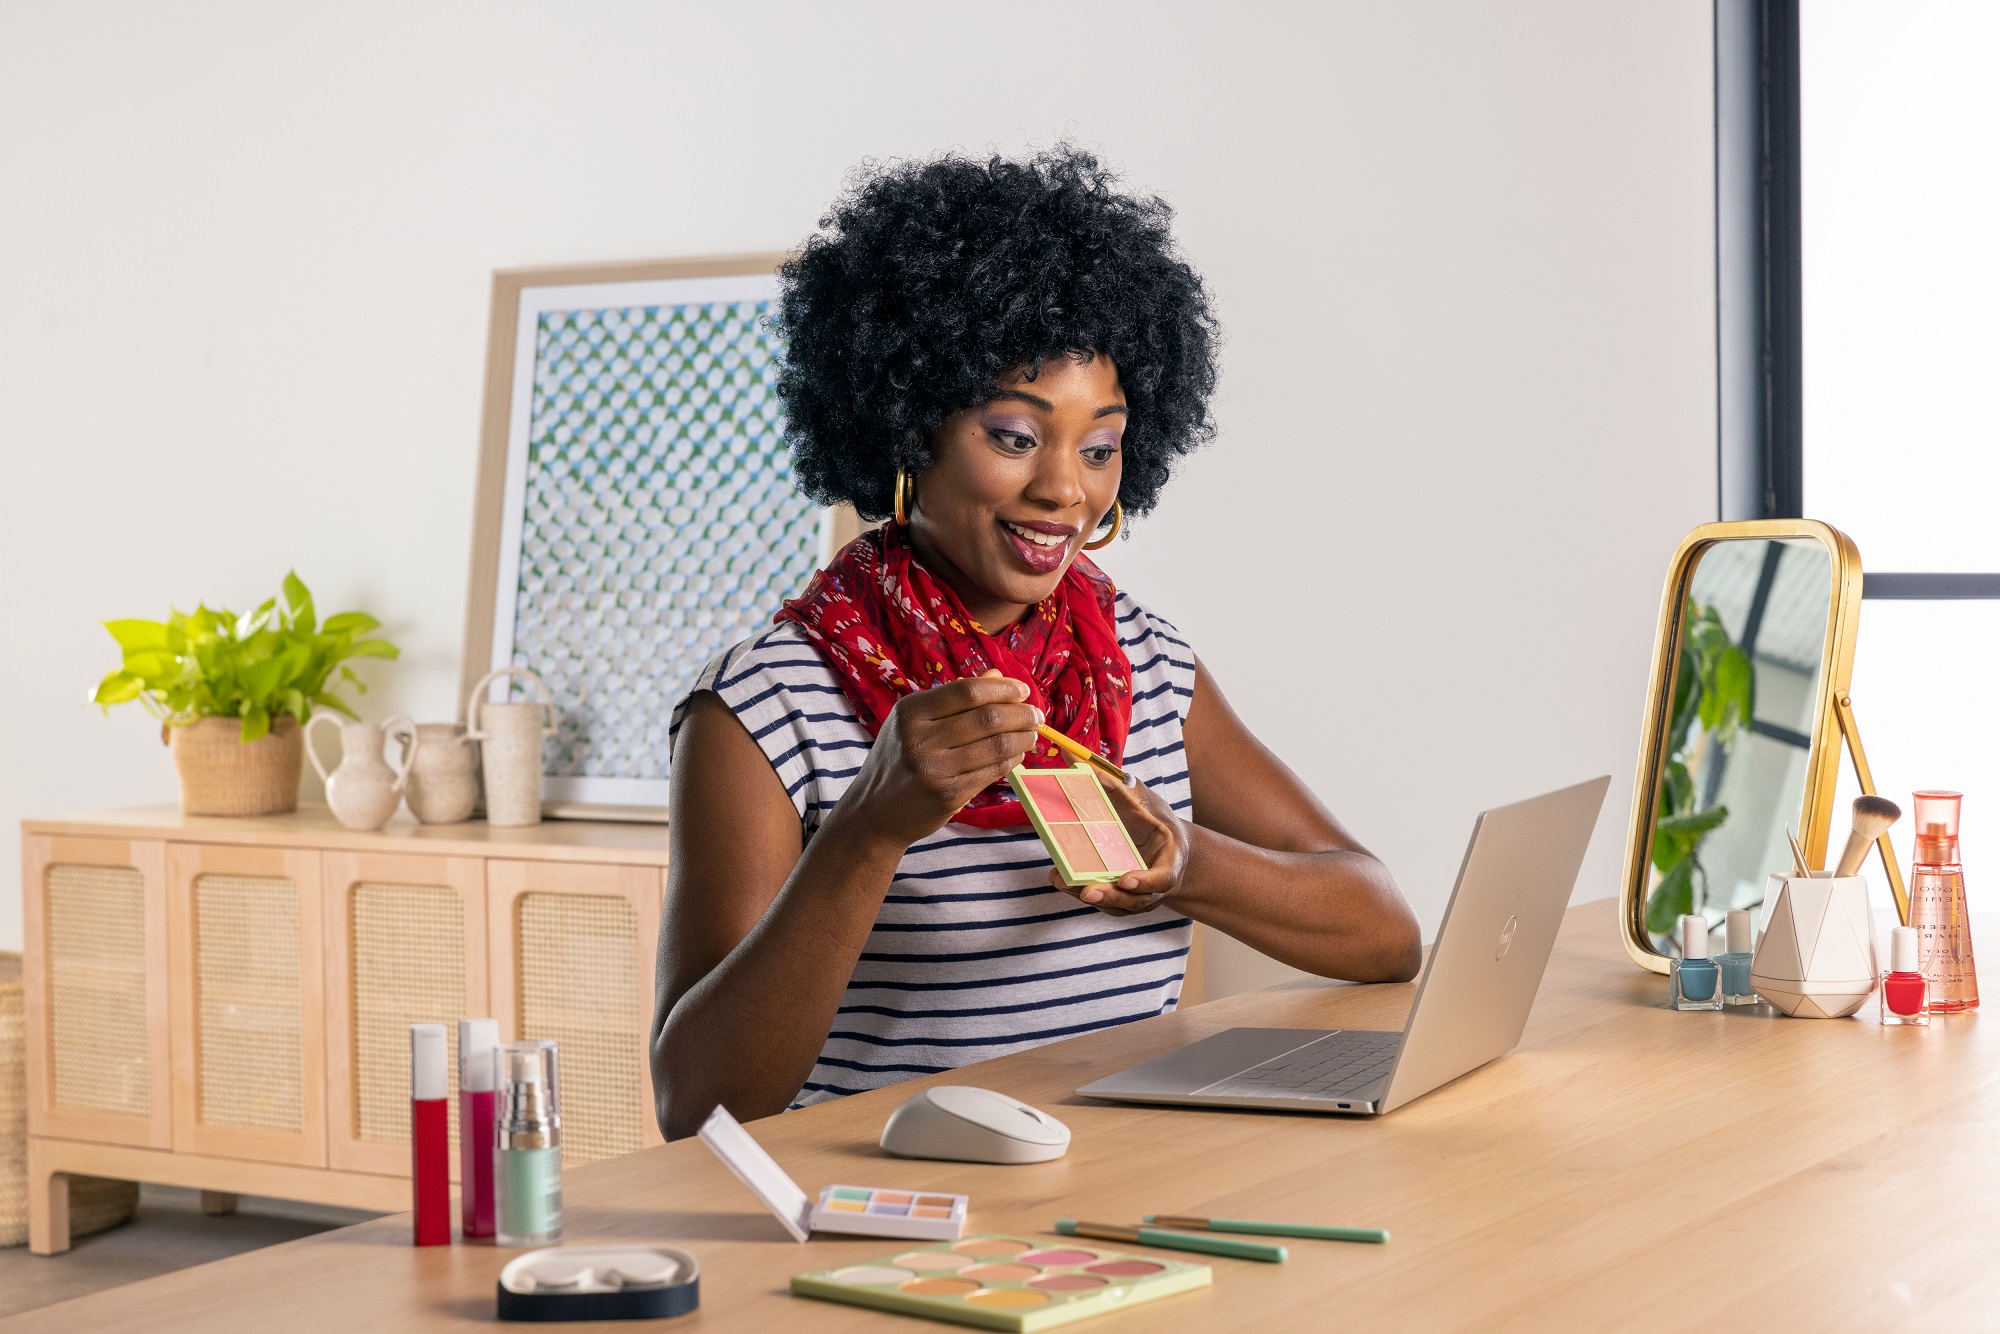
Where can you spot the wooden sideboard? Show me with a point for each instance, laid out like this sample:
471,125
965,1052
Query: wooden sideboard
224,1004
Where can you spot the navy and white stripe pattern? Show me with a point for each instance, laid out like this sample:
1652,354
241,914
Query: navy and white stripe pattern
974,954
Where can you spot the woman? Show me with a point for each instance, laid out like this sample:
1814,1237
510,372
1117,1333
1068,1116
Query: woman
1004,359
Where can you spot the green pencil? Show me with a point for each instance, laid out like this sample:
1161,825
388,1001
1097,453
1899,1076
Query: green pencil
1173,1241
1316,1231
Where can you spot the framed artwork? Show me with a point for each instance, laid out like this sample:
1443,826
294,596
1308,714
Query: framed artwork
636,513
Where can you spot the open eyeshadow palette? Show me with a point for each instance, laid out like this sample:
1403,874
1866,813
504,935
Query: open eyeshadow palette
1084,836
859,1211
999,1282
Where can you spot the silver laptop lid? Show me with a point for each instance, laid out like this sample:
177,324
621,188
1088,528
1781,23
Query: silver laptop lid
1493,946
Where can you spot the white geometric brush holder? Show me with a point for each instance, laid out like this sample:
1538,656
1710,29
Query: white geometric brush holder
1816,959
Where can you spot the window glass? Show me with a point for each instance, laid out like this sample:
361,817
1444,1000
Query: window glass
1899,136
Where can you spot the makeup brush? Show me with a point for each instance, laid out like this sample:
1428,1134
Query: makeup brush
1872,818
1087,755
1798,854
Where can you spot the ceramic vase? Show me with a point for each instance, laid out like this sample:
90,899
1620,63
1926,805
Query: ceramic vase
444,777
364,791
221,774
510,742
1816,958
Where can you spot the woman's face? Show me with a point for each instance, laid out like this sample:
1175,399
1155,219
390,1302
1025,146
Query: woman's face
1018,484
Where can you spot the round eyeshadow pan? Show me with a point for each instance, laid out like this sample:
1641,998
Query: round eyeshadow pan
1125,1268
992,1246
932,1260
999,1273
1057,1257
1066,1282
864,1275
1006,1297
938,1287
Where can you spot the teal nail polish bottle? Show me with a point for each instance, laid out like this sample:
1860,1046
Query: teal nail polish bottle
1735,962
1697,982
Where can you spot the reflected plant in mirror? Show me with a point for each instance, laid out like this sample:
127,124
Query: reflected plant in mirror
1715,684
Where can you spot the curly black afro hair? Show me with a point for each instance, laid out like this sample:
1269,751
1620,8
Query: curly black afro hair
930,280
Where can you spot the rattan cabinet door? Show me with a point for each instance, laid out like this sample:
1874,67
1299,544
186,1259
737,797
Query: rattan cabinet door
95,968
405,944
244,928
572,959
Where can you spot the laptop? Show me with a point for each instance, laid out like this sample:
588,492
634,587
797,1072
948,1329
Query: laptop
1472,1000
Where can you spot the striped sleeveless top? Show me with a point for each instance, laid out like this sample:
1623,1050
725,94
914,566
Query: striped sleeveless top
973,954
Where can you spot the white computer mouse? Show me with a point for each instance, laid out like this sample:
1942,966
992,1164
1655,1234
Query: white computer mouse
969,1125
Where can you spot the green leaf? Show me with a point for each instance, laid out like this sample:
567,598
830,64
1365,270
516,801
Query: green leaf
336,703
375,648
1671,900
117,688
300,600
138,636
256,722
351,622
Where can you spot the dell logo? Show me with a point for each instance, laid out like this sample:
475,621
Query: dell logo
1506,939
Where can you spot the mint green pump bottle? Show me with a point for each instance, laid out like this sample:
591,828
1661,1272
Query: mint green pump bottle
527,1147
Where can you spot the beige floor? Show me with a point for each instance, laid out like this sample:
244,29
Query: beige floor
168,1232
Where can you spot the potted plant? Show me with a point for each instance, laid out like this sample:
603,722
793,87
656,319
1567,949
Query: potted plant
232,693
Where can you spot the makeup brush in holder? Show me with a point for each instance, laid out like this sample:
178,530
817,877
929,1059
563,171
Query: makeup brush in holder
1872,818
1816,959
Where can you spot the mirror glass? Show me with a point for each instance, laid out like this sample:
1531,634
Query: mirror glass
1739,728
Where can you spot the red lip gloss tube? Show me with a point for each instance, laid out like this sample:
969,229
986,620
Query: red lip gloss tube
477,1039
430,1145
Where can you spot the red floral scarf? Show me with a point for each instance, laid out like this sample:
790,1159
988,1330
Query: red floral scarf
889,628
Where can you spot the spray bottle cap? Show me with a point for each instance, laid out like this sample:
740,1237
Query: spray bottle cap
428,1058
1903,950
1739,931
1937,826
1694,936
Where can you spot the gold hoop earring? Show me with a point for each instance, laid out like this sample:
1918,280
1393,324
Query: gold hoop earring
1117,522
902,481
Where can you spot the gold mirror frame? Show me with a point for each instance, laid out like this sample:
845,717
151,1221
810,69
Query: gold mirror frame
1833,715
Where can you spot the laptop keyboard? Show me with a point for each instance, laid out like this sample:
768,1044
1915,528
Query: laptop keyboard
1339,1065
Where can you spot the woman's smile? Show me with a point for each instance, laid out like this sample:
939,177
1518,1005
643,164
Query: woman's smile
1041,546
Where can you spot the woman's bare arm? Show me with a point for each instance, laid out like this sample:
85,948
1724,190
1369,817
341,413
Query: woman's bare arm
762,927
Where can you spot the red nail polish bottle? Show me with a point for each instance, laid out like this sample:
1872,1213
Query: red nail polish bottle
1905,990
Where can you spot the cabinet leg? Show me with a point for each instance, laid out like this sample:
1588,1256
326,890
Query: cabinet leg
218,1202
48,1204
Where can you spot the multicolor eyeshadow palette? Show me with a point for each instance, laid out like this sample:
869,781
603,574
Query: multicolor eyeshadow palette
1008,1283
1084,836
860,1211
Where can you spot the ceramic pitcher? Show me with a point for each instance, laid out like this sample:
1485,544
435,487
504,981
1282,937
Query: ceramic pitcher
444,778
365,790
510,741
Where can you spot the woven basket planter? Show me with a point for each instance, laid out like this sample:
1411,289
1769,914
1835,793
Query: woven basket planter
94,1203
224,775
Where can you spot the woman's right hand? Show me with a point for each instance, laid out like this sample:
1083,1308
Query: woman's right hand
937,750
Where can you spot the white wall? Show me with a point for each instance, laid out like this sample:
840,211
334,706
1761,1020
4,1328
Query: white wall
1463,252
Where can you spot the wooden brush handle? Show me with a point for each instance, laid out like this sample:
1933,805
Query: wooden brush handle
1853,854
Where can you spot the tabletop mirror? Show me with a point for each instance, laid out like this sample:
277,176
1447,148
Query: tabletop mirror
1746,711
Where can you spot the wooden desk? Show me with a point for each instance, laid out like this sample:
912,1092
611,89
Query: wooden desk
1794,1174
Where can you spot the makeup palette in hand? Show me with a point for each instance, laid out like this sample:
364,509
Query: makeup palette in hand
1084,836
1003,1282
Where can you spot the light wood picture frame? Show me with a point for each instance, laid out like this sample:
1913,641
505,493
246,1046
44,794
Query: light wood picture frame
634,513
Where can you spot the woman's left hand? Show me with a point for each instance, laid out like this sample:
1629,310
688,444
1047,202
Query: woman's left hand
1162,840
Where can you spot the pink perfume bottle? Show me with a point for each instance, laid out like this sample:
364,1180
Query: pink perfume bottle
1937,905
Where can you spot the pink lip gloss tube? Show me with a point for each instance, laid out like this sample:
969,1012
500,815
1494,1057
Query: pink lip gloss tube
430,1146
477,1039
